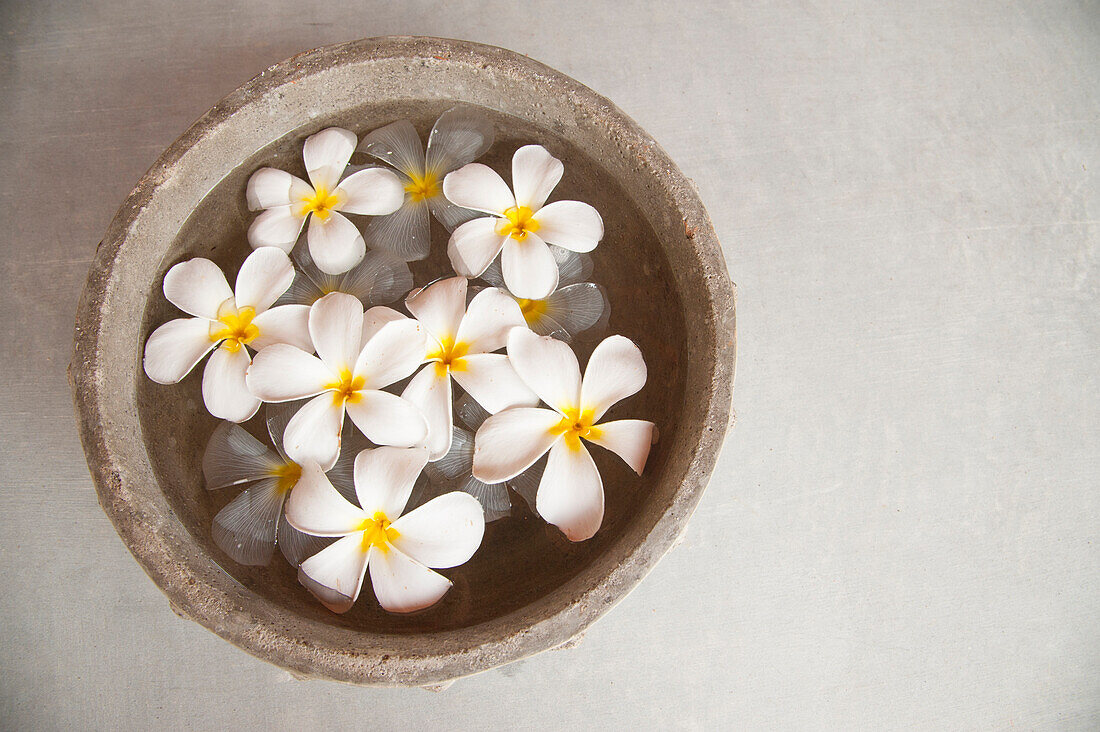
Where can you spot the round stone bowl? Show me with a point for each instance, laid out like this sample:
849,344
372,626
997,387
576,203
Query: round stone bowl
527,589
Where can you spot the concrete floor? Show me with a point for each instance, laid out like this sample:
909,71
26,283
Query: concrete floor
902,530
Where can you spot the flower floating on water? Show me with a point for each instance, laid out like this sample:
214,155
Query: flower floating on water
287,201
519,226
460,345
459,136
400,551
228,320
357,356
570,494
574,307
380,279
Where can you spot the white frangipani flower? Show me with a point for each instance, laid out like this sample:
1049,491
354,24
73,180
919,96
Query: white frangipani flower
228,320
574,307
570,494
357,356
520,226
399,550
287,201
460,345
380,279
459,136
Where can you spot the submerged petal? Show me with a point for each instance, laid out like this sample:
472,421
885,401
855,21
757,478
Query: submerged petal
569,310
571,225
265,275
279,226
493,497
530,270
430,391
283,324
317,508
460,135
403,585
630,439
511,441
478,187
233,456
405,233
548,366
397,144
573,267
326,154
474,245
490,379
197,287
444,532
440,306
450,215
246,528
387,419
489,316
372,192
313,433
335,574
384,478
223,385
297,545
535,172
175,347
282,373
336,327
615,371
571,492
335,243
381,278
269,187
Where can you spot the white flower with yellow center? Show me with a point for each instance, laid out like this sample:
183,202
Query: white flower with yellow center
287,201
357,356
519,226
459,136
570,493
230,321
400,551
461,341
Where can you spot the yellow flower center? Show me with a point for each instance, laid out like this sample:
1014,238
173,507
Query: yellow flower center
288,474
448,355
347,389
234,326
517,223
321,203
576,424
532,309
421,187
377,532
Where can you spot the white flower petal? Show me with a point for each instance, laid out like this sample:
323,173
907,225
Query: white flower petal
478,187
246,528
397,144
313,433
335,574
282,373
450,215
489,316
381,278
233,456
615,371
474,245
175,347
392,353
530,270
297,545
571,225
195,287
387,419
326,154
378,316
372,192
223,386
403,585
571,492
384,478
266,273
405,233
440,306
630,439
535,172
318,509
430,391
490,379
460,135
444,532
269,187
279,226
509,442
336,327
335,243
548,366
283,324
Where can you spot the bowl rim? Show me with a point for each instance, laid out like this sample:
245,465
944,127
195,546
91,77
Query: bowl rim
223,608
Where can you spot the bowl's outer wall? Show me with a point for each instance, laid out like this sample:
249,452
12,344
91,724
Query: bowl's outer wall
292,95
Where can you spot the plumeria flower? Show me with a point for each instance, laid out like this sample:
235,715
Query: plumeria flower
575,306
287,201
519,226
460,345
357,356
228,321
250,526
399,550
459,136
570,494
380,279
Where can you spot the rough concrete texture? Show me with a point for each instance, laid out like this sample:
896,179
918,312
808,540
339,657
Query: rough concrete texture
141,439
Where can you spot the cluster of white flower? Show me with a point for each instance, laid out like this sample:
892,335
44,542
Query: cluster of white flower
326,345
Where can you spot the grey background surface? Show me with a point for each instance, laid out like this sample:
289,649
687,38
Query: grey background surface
902,529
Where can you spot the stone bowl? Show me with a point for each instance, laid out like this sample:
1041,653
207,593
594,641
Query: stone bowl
527,589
